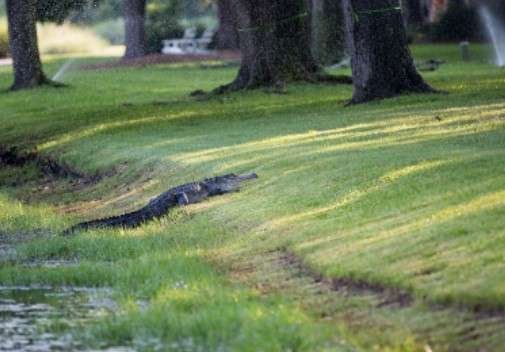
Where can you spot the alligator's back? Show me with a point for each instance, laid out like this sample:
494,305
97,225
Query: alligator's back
188,193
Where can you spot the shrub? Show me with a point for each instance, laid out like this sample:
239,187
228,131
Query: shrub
4,39
459,22
111,30
162,23
68,38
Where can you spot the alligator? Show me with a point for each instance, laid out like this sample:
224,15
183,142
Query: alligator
179,196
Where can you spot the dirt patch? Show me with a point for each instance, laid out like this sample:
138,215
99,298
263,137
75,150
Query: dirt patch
157,59
370,308
47,165
387,297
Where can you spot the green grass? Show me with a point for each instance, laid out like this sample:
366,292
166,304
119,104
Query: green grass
407,192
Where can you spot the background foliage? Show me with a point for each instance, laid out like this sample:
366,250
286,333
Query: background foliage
59,10
4,39
162,22
111,30
459,22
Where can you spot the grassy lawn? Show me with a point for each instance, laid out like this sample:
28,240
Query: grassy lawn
406,194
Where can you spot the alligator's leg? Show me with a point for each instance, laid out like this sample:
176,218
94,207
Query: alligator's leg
182,199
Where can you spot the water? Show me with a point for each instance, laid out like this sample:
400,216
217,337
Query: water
496,32
7,252
36,318
58,76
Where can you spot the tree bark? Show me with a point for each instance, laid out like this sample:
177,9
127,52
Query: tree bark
135,32
227,34
23,43
327,22
275,44
382,65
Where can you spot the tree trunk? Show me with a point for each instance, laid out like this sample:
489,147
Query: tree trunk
327,22
135,32
227,35
382,65
23,43
275,43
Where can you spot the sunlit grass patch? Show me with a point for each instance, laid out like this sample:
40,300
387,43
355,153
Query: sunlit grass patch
405,193
18,219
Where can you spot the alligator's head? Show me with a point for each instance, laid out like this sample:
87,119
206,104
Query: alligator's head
227,183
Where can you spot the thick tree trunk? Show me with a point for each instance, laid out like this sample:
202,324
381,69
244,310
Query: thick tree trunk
135,32
382,65
275,43
327,22
23,43
227,34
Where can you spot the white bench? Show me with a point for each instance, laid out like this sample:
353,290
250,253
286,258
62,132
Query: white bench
204,41
188,44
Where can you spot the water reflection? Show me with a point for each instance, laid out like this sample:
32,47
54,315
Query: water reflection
40,318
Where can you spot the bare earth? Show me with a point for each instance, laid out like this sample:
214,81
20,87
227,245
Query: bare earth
154,59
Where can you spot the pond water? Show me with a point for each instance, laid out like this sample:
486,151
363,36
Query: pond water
36,318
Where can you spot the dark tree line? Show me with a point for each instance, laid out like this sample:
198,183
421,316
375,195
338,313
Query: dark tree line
276,41
413,12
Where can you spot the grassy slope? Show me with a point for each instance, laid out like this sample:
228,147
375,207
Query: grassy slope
407,192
